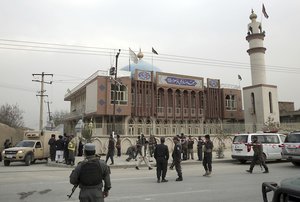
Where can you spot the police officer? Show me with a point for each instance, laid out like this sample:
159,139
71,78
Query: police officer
89,175
207,160
258,155
161,155
176,158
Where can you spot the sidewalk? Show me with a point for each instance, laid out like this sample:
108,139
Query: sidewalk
120,162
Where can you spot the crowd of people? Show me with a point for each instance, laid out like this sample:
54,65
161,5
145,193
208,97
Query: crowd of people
64,149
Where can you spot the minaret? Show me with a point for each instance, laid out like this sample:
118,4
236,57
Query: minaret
260,99
256,50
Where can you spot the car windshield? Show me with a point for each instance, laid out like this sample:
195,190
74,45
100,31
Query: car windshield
293,138
25,144
240,139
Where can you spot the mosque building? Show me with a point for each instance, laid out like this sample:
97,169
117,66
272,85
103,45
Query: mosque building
151,101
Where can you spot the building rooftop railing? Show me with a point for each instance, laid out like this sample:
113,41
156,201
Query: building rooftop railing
93,76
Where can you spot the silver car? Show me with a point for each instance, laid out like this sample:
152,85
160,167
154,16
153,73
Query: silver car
291,148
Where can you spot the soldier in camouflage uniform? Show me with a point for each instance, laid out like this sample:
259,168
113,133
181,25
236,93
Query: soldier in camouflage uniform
89,175
257,156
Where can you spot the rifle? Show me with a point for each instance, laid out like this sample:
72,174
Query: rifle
73,189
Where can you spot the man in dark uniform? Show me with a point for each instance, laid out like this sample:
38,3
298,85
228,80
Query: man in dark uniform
258,155
51,143
199,148
89,175
111,149
176,158
161,155
207,160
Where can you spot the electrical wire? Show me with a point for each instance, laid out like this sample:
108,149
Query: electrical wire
86,50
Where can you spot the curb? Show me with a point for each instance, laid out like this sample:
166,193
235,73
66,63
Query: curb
125,166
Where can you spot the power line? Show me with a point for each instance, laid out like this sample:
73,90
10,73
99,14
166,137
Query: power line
82,50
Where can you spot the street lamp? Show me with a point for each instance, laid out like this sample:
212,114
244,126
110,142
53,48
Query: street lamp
115,93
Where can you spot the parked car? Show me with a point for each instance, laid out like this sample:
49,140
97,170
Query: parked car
272,144
287,191
291,148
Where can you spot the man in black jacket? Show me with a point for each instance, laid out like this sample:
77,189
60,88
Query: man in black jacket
177,158
161,155
92,176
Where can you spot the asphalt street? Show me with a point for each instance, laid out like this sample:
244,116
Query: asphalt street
229,182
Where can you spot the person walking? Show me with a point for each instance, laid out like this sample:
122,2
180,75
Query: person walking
190,145
177,158
89,175
52,146
199,148
118,145
258,155
161,155
207,160
111,150
143,156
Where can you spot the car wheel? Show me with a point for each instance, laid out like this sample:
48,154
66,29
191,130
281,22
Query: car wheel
242,161
296,163
28,159
6,162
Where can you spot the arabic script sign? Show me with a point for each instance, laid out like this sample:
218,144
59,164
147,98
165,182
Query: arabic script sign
181,82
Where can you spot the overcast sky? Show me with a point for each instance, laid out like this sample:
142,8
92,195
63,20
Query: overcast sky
207,29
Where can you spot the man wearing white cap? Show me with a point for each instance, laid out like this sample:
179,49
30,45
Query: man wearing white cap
89,175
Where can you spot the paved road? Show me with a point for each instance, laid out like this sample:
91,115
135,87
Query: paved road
229,183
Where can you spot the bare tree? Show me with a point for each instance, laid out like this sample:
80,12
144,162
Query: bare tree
11,115
59,116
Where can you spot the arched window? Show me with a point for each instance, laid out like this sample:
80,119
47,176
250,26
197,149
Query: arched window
270,102
230,102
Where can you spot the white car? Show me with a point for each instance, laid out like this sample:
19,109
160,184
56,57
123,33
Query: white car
272,146
291,149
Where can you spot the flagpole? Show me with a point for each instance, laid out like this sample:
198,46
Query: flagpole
152,59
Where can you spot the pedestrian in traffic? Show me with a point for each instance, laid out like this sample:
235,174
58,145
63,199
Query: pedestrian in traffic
110,149
199,148
177,158
258,155
161,155
118,145
143,156
90,175
190,144
52,146
207,160
59,157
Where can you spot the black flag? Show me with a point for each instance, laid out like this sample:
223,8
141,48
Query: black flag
154,51
239,77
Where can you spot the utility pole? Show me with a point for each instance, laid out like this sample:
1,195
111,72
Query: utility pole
49,114
115,94
42,95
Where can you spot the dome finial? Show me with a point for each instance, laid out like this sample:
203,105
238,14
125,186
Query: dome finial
253,15
140,55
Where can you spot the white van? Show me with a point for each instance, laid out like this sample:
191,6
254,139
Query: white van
272,146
